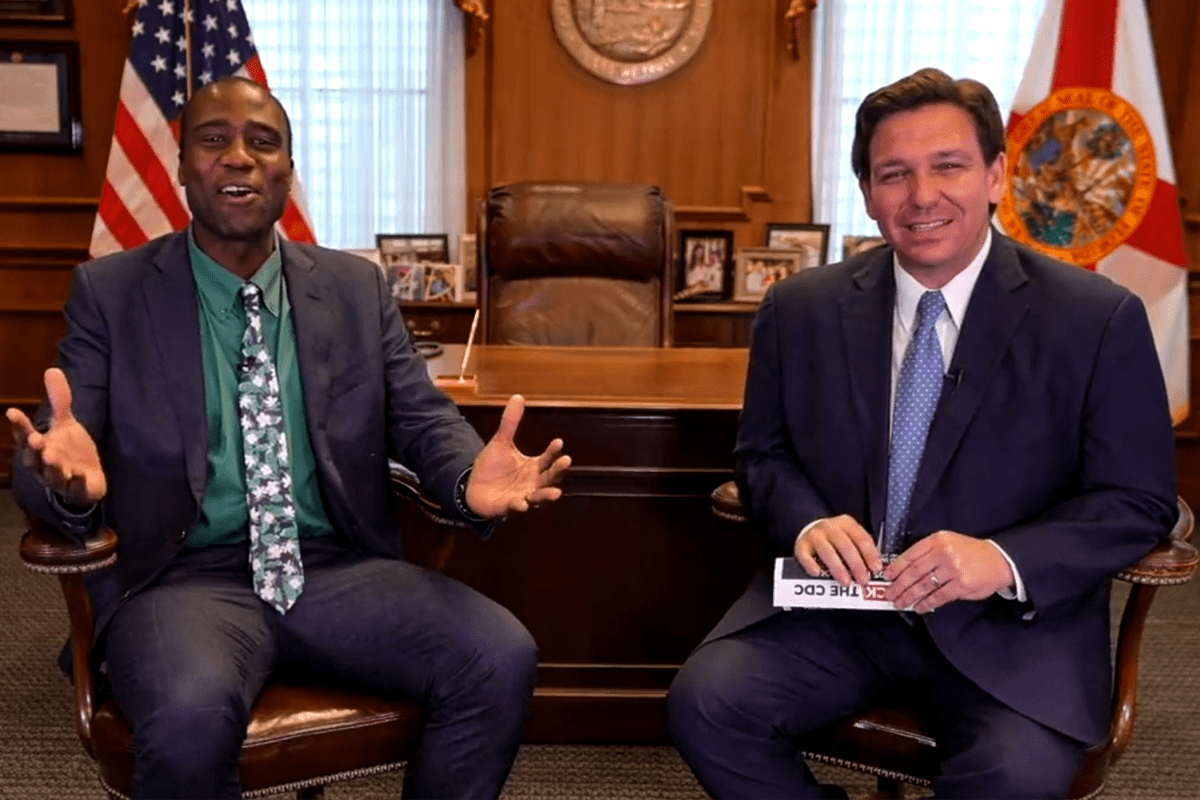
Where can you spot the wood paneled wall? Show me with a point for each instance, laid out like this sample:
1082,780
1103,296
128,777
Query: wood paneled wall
1175,26
726,136
47,205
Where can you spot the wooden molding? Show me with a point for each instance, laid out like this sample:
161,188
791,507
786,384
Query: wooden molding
741,213
1191,220
44,204
66,253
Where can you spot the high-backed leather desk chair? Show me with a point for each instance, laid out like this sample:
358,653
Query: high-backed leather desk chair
301,737
889,742
568,264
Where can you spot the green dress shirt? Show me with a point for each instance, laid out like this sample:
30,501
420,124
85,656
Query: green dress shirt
223,513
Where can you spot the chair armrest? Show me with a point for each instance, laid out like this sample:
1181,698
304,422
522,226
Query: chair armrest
44,549
406,485
437,555
727,503
1173,561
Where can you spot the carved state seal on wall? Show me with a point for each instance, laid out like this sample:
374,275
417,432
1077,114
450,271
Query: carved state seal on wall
631,41
1081,175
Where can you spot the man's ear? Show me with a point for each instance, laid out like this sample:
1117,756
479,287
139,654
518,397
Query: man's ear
997,178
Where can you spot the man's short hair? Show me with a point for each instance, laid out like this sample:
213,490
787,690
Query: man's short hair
922,88
183,115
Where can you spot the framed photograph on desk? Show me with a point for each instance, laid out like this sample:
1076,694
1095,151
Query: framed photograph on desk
704,269
810,239
853,245
759,267
412,248
443,283
39,96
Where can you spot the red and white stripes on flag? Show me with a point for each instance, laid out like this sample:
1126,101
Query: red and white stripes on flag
141,198
1091,180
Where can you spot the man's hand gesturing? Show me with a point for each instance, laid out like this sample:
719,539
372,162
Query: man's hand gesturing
64,457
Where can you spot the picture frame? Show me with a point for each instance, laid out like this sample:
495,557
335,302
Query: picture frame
35,12
443,283
810,238
39,96
406,281
705,271
759,267
468,251
412,248
856,245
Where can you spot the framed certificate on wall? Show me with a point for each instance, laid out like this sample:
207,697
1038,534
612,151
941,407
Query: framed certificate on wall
35,12
39,96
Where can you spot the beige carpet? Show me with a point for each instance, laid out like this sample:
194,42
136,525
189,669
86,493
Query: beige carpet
41,759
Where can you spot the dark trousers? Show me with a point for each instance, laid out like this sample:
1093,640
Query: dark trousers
739,702
187,657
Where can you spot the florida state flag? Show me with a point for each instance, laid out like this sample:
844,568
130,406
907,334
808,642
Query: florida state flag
1090,177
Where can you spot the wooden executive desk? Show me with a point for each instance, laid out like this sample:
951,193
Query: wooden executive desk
624,575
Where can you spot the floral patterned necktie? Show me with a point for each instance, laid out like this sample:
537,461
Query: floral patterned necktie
917,392
274,543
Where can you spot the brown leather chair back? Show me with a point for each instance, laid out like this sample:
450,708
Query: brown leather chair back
584,263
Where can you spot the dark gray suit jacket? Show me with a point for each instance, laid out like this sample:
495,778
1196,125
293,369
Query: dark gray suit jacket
132,355
1052,436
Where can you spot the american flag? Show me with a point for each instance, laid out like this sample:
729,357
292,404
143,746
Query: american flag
141,199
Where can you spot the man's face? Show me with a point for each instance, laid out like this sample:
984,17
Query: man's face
929,190
235,169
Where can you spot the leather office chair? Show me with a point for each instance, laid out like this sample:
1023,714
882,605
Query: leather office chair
567,264
300,737
888,742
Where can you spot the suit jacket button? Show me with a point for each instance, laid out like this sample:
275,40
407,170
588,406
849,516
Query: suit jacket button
182,535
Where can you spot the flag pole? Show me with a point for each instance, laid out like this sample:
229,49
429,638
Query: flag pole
187,35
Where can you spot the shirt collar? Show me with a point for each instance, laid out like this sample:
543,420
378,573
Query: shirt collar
222,287
957,293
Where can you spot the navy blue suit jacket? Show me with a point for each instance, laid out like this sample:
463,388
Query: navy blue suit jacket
132,355
1052,436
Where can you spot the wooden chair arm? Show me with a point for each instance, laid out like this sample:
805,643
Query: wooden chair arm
406,485
45,550
1173,561
727,503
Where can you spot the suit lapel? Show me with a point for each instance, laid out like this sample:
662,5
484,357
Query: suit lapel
314,325
993,316
866,317
170,294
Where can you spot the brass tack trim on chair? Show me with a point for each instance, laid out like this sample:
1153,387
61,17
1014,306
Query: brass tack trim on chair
72,569
113,793
326,780
857,766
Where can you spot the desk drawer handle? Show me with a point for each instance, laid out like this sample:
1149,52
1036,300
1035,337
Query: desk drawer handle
434,327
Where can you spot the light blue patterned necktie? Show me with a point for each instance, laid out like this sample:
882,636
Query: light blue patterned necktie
917,392
274,542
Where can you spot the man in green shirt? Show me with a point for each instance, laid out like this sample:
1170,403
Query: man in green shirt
228,401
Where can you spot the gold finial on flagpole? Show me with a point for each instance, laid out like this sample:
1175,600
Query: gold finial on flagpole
476,17
796,9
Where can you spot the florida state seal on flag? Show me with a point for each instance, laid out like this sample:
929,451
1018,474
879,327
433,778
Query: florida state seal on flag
1091,179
